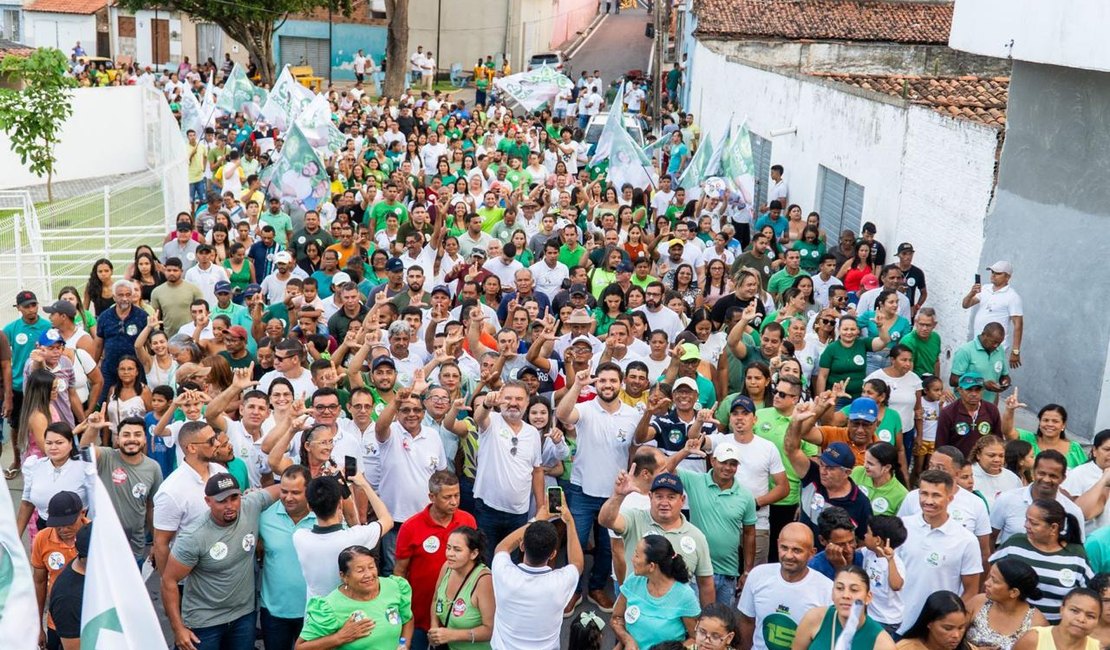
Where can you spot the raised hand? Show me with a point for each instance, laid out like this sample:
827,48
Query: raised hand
243,378
803,411
1013,403
419,386
624,484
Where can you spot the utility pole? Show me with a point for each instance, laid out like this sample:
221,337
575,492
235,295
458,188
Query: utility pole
657,69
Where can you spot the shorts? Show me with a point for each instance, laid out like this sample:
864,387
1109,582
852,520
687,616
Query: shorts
924,447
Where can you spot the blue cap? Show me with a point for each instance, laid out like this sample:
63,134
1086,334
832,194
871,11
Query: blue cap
395,264
223,286
624,267
863,408
51,337
667,481
744,402
839,454
252,290
971,380
441,288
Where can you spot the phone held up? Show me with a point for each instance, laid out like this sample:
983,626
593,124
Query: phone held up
555,500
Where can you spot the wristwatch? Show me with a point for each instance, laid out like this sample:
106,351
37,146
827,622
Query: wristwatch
1016,351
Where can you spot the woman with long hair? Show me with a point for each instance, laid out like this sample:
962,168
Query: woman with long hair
128,396
146,273
610,305
852,271
39,411
312,259
717,628
881,478
463,606
153,351
941,625
655,605
1002,612
1051,433
1080,616
60,469
1052,545
85,319
605,274
811,247
219,240
240,271
1019,459
988,460
717,283
684,282
757,384
98,291
823,627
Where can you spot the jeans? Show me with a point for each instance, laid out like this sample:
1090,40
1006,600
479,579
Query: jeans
197,191
233,635
877,360
389,551
908,440
584,509
466,495
496,524
419,640
280,633
583,120
726,589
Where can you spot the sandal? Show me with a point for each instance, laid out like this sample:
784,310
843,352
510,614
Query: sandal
11,473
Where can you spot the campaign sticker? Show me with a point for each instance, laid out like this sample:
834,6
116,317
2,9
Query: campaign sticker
55,561
218,551
248,542
140,490
687,544
119,476
858,360
632,614
431,545
458,608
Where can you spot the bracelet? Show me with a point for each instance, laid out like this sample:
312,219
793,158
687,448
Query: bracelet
472,635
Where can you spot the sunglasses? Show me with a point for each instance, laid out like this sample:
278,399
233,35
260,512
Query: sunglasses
828,321
783,394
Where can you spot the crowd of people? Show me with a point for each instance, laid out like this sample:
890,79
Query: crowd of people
405,418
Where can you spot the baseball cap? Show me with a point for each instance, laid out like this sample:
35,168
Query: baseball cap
577,288
24,298
385,360
63,307
685,382
441,288
340,278
675,242
84,539
869,281
582,339
971,380
624,267
65,507
480,252
725,452
528,370
744,402
238,331
905,247
283,257
840,455
863,408
221,486
667,481
223,286
50,337
1002,266
690,352
252,290
394,264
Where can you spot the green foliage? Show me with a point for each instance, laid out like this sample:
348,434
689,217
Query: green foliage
33,115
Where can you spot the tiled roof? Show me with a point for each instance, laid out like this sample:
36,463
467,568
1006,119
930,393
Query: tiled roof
837,20
981,99
84,7
11,47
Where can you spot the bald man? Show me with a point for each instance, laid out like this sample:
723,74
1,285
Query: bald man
777,596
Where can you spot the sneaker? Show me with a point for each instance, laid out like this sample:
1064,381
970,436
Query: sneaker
602,599
568,611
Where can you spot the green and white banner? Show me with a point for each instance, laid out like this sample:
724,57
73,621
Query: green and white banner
298,178
286,101
534,88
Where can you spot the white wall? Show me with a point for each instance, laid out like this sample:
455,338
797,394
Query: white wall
927,178
60,30
1070,34
104,136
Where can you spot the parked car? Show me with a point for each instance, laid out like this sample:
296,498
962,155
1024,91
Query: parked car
551,59
632,123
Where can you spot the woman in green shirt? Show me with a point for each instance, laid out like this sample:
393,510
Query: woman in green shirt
846,358
822,627
811,247
610,306
881,478
366,612
463,607
1052,423
523,255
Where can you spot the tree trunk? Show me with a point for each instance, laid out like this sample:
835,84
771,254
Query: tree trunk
396,47
257,38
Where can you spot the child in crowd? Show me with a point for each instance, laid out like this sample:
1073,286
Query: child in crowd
932,401
161,399
885,534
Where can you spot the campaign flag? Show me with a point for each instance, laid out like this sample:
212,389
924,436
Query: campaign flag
298,178
18,606
286,101
316,124
698,168
194,114
115,613
627,162
738,167
237,91
534,88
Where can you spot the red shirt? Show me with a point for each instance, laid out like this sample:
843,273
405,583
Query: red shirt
423,542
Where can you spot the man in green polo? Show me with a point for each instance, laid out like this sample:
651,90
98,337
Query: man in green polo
984,356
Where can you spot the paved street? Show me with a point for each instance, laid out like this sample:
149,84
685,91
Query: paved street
615,47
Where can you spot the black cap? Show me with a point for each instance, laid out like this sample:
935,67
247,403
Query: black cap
384,360
221,486
84,538
578,288
63,307
65,507
905,247
24,298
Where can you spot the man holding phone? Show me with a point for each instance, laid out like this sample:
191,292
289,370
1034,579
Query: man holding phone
999,303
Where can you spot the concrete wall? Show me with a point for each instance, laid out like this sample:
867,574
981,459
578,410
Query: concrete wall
927,178
1048,218
467,30
862,58
1071,34
568,18
93,142
347,38
59,30
141,46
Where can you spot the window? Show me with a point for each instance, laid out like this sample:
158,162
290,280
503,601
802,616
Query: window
840,202
761,158
10,27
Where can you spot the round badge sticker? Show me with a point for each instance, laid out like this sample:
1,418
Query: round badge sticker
884,435
1067,577
632,614
962,429
55,561
458,608
132,330
119,476
218,551
302,239
984,428
880,505
687,544
21,338
911,282
190,256
933,559
431,545
858,360
248,542
140,490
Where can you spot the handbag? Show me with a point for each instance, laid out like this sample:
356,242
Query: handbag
451,606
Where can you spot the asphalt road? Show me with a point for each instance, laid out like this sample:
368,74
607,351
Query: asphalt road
615,47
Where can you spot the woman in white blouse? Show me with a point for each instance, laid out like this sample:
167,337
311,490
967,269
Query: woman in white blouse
61,469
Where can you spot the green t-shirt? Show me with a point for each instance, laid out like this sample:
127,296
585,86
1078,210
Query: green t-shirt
721,515
885,500
572,258
389,611
1075,456
782,280
383,209
687,541
811,255
925,353
771,425
490,217
847,363
23,337
281,223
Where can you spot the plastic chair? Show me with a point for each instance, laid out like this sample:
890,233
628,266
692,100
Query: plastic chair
458,78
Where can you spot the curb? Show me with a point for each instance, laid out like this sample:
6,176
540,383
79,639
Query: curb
584,34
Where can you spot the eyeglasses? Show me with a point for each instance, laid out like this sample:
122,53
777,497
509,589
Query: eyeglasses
324,443
712,637
327,407
828,321
437,398
784,394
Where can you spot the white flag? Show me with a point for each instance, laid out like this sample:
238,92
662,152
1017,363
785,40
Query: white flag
116,613
18,607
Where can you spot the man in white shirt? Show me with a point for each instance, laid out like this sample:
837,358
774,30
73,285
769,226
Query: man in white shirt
939,553
604,429
779,190
658,316
287,364
205,274
360,64
891,281
662,198
428,71
416,64
1008,513
634,99
430,153
824,279
999,303
528,593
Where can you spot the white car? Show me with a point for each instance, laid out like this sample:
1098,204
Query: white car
551,59
631,123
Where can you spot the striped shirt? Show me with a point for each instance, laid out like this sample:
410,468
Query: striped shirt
1059,572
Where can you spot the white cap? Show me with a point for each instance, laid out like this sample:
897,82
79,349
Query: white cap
283,257
726,451
340,278
687,382
1002,266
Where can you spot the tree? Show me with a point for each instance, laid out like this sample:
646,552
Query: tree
33,115
251,22
396,47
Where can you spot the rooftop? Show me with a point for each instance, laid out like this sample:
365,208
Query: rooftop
11,47
837,20
83,7
980,99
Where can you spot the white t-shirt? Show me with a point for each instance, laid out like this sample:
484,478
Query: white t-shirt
997,306
1008,514
603,443
965,509
549,281
180,499
406,464
777,605
903,394
665,319
504,272
990,486
318,553
1079,480
821,289
503,480
761,459
886,604
303,388
526,598
660,201
937,559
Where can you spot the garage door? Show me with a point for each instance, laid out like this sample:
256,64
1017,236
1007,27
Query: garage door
296,50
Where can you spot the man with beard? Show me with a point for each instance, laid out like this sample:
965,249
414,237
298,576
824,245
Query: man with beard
172,299
244,434
352,310
776,596
283,584
659,317
509,462
414,289
670,427
603,428
217,555
130,476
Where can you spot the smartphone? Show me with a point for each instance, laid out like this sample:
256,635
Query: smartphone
350,466
554,500
978,279
85,454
